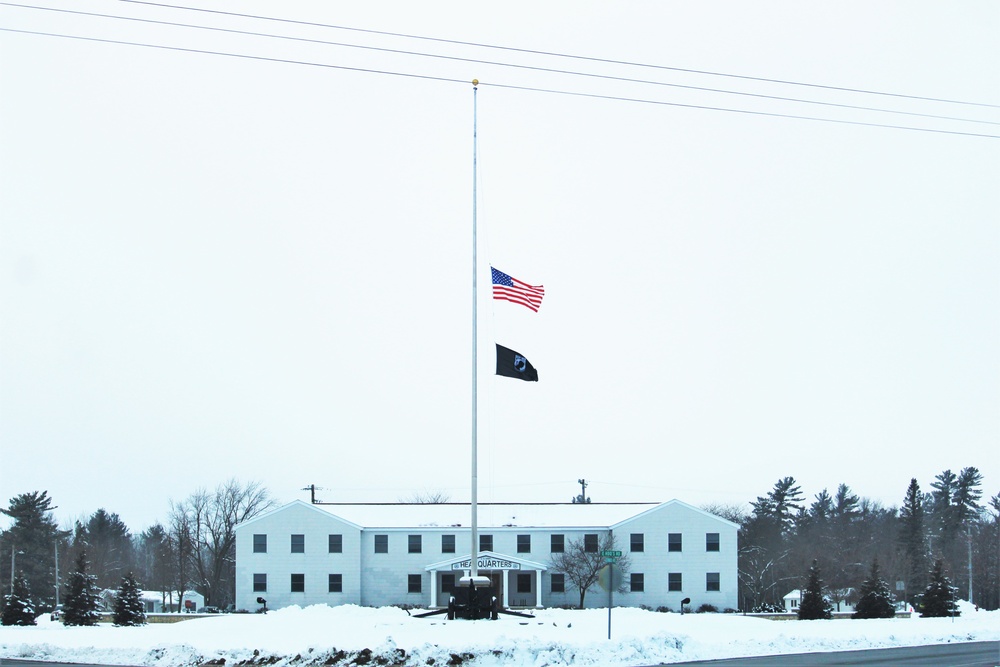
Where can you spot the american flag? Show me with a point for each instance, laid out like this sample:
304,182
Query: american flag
510,289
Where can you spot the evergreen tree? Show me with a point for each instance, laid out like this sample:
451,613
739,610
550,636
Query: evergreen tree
913,539
18,609
128,606
814,604
876,599
940,596
31,540
80,596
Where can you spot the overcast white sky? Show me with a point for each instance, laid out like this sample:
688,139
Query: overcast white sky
216,267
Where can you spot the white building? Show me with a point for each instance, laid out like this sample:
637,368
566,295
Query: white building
383,554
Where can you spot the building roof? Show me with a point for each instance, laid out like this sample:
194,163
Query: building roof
491,515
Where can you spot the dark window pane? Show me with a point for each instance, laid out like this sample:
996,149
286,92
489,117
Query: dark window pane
637,542
674,581
413,583
674,542
447,583
711,541
524,583
298,544
381,544
298,583
712,581
447,544
336,544
558,544
524,544
414,544
260,583
486,543
637,582
336,583
558,582
260,544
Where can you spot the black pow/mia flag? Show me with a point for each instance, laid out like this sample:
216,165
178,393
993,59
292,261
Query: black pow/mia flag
513,365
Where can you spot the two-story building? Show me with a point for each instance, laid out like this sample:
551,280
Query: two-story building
383,554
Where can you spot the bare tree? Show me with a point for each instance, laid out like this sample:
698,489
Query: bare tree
583,567
426,498
179,539
214,517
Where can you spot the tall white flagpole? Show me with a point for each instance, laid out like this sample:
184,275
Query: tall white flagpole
474,549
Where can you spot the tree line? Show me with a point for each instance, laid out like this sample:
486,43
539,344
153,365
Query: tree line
193,550
781,536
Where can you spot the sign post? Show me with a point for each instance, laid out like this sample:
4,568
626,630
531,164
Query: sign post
610,557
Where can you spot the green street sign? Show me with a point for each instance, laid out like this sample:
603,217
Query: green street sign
611,554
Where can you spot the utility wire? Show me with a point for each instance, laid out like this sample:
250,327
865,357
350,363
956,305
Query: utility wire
495,85
559,55
495,63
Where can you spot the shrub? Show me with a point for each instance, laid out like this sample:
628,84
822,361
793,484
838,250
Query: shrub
707,609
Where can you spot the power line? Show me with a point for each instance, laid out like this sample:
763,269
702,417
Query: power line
561,55
496,85
495,63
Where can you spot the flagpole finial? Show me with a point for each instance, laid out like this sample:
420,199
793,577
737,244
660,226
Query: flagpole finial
475,83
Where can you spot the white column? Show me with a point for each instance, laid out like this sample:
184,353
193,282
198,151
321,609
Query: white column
434,589
538,589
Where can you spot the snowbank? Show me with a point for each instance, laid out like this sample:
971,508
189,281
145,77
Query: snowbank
348,634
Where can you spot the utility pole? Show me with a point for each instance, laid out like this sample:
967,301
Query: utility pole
582,498
57,573
312,492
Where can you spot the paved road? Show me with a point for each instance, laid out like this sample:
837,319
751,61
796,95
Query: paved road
965,654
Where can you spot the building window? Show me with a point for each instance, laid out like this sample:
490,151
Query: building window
447,583
298,544
674,542
413,583
381,544
414,544
335,544
259,583
486,543
711,541
524,583
590,543
447,544
637,542
558,582
524,544
336,583
637,582
674,582
260,544
558,544
298,583
712,581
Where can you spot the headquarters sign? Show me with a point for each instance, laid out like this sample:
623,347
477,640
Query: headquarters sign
487,563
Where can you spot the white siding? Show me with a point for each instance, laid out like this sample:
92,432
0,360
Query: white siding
382,579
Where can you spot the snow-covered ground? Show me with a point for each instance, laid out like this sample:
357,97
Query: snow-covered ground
315,635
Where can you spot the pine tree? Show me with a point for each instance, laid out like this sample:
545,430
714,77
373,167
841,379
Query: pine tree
80,596
814,604
128,605
18,609
876,598
913,539
940,596
31,539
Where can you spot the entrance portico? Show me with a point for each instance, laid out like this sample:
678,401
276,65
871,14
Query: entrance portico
518,582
